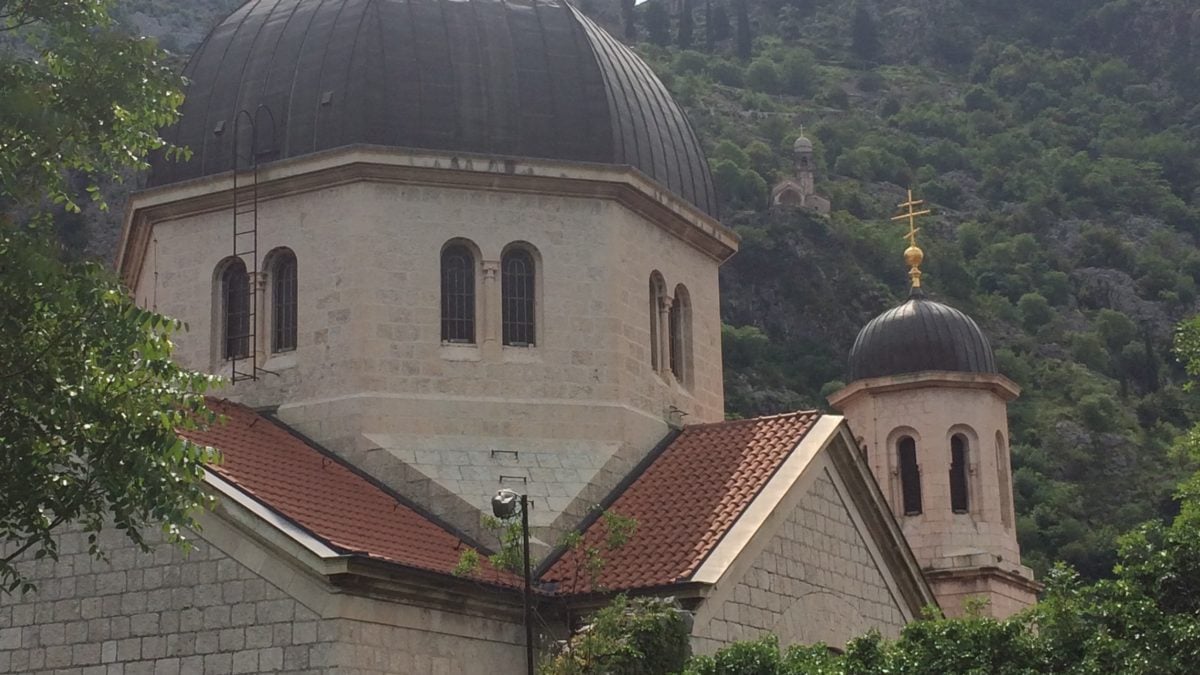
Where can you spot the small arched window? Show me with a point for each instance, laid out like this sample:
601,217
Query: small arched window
680,322
458,294
658,291
959,501
235,310
283,300
517,289
910,476
1003,469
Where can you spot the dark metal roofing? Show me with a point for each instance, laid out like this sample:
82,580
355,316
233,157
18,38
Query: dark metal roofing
917,336
520,78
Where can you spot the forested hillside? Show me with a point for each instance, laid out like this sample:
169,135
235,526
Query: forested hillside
1057,141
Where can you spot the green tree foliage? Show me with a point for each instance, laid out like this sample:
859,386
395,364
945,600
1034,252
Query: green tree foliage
658,23
686,25
627,637
864,35
1065,223
76,95
745,38
90,401
761,75
629,18
722,29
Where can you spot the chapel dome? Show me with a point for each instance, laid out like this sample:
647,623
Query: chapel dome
802,144
516,78
920,335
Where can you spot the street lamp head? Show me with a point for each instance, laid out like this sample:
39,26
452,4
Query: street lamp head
505,503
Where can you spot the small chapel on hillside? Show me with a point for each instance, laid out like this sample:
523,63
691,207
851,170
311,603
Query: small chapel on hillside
439,249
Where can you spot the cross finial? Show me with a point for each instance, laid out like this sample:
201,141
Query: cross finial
913,255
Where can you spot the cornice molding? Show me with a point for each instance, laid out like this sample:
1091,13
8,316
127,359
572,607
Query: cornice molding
998,384
363,163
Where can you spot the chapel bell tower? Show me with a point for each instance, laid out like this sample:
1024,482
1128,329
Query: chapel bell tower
931,413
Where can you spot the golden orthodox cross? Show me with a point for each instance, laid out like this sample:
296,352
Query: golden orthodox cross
911,217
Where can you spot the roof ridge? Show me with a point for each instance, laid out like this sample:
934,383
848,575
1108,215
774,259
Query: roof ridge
760,418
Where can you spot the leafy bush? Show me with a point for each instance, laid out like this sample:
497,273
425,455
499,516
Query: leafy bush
761,76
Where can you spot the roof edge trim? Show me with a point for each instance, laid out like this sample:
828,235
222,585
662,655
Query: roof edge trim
750,522
294,531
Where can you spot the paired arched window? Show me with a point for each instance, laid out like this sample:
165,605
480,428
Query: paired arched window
458,294
658,294
235,310
910,475
959,471
282,272
1006,493
517,289
680,322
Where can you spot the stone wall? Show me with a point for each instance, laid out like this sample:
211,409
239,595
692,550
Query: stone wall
447,425
931,415
208,614
816,580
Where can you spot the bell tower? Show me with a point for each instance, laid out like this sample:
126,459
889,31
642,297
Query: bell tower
930,411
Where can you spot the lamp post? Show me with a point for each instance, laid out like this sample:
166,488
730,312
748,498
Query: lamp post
504,505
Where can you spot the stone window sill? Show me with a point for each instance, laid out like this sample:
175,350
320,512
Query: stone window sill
459,352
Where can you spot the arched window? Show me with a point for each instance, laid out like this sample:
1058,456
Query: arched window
235,310
680,321
282,266
910,476
458,294
658,291
959,502
517,297
1006,495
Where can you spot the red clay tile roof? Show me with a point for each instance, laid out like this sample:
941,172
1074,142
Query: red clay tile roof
685,502
323,496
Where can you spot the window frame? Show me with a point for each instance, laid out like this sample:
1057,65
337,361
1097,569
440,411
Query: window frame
234,270
462,328
518,296
960,474
679,336
909,471
657,294
284,275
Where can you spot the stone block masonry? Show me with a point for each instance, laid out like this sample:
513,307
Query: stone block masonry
816,581
166,613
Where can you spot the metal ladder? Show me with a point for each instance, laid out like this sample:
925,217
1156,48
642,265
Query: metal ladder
245,233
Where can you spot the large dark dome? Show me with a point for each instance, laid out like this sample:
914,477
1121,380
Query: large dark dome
519,78
917,336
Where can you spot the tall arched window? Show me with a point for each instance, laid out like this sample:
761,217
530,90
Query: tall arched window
910,476
658,291
680,321
458,294
235,310
517,288
959,501
282,270
1003,468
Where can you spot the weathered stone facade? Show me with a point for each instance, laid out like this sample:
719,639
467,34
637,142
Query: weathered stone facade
207,613
817,580
448,424
930,408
